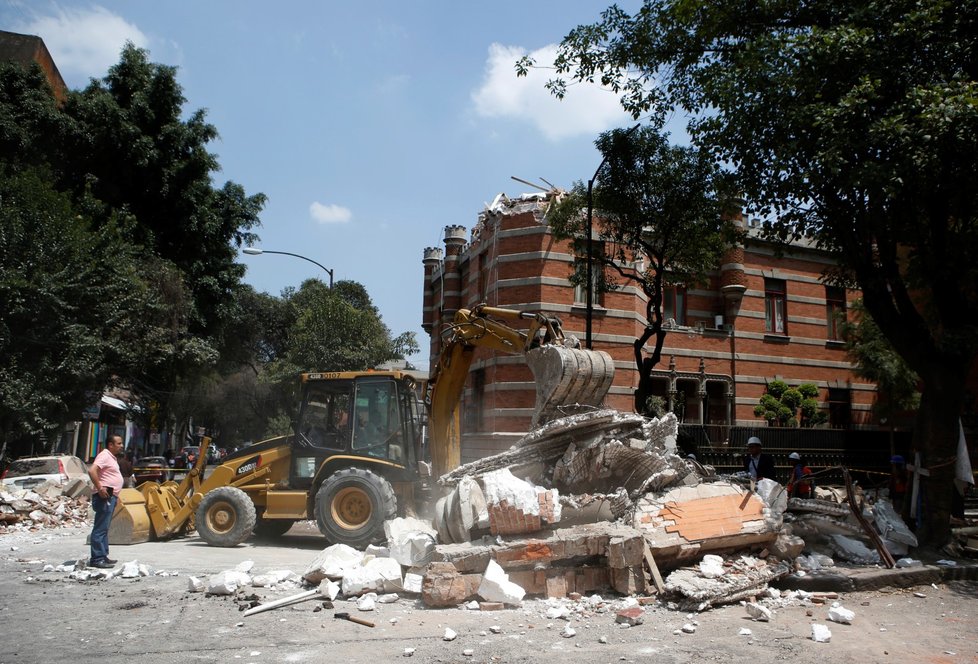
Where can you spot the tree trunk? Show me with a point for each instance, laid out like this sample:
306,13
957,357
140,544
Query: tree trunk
936,438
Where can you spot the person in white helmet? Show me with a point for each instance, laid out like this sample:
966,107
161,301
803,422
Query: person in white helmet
800,480
757,464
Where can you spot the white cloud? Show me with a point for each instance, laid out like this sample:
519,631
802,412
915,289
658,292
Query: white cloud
585,110
83,42
330,214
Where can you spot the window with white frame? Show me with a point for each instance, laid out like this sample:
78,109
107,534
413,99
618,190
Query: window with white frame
775,306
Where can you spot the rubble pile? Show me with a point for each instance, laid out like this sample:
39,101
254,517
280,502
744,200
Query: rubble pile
48,505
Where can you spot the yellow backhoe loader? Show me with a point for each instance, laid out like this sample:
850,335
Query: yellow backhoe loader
358,454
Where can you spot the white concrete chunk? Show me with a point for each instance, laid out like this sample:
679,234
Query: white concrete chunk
450,634
194,585
224,583
840,614
333,562
244,566
130,570
496,586
329,589
758,612
821,633
711,566
412,583
367,602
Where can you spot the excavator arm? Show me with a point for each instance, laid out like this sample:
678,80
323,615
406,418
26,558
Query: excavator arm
564,373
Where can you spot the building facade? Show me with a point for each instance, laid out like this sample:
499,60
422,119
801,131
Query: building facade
763,315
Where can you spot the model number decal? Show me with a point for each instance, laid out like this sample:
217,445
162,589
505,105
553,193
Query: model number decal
249,466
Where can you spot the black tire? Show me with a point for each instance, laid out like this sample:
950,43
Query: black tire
270,529
225,517
352,505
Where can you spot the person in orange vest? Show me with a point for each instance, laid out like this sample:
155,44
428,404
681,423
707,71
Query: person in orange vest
898,481
800,482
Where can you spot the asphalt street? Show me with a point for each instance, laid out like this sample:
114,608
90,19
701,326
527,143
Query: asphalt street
49,617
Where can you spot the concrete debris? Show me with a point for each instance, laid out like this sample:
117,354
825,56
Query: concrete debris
743,631
745,577
840,614
631,616
546,444
690,521
908,562
853,550
408,652
758,612
47,506
496,586
329,589
450,634
891,527
410,541
130,570
227,582
333,562
195,585
367,602
568,632
689,628
821,633
276,578
375,575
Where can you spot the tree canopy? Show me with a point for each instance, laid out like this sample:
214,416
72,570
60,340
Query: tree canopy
125,239
854,124
658,205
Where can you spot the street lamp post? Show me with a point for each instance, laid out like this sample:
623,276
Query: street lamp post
589,301
254,251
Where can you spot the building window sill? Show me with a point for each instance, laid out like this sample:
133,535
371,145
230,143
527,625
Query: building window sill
777,338
835,343
581,307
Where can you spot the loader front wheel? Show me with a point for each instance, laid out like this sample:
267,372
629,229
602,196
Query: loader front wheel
225,517
352,505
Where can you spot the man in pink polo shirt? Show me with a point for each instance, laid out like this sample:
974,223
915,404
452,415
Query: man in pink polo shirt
108,481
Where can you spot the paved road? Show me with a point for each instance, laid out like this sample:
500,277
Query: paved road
47,617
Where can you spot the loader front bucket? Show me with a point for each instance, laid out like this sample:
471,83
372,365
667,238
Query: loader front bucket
568,378
130,521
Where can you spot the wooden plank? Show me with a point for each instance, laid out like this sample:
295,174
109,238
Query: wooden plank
660,586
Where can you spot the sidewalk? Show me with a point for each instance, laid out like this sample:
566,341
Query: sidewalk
848,579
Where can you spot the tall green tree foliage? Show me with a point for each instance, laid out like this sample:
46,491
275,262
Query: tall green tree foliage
339,329
875,360
132,167
851,123
658,204
76,308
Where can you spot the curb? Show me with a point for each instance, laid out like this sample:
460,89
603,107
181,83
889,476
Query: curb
875,578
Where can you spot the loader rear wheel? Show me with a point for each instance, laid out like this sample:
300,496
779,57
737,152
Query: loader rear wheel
225,517
352,505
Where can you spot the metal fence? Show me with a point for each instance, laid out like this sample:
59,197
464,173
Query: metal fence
866,453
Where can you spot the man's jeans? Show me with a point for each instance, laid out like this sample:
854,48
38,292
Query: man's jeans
100,533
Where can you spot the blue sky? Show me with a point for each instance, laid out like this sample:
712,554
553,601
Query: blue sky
370,125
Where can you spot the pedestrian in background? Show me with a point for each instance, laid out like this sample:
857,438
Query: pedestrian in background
108,481
125,468
800,483
757,464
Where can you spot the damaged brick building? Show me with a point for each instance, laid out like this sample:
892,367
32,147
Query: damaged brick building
764,314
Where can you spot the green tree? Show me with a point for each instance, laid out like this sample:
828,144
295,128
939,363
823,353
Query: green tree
784,406
76,309
659,204
129,160
875,360
339,329
854,124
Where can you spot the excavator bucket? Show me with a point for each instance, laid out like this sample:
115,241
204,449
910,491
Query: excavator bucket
130,521
567,378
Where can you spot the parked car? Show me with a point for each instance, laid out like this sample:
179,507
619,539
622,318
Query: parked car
152,469
29,472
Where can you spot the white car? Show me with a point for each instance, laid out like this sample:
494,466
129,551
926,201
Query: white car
30,472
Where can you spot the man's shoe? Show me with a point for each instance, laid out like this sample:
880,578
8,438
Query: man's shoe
111,561
102,564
